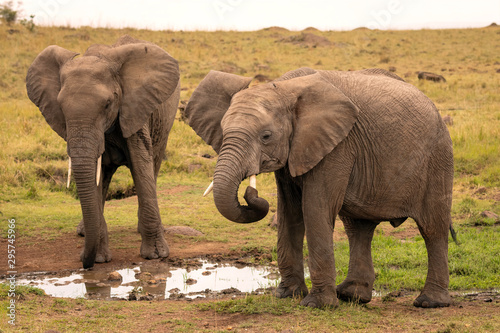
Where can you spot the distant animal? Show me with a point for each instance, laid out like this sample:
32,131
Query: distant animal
431,77
363,145
113,106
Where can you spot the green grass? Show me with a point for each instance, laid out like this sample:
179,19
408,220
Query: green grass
33,161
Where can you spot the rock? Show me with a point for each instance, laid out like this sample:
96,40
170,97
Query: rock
114,276
392,69
261,78
183,230
490,215
182,108
307,40
448,120
191,281
481,190
274,221
431,77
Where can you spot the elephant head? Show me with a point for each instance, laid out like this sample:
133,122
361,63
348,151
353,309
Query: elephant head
110,88
290,123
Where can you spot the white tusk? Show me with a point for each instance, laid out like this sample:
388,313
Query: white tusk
69,172
98,172
209,189
253,181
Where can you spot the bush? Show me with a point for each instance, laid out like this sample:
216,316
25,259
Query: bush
7,13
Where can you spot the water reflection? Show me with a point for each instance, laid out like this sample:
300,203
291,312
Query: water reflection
159,281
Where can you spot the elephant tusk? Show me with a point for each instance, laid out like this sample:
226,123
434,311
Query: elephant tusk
98,172
253,181
209,189
69,172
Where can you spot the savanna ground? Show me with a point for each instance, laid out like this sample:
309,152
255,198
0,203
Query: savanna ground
33,170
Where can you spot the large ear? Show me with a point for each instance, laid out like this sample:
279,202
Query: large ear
149,76
210,101
43,85
324,116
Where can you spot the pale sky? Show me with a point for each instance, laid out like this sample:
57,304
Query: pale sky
258,14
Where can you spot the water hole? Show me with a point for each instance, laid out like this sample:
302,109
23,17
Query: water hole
200,279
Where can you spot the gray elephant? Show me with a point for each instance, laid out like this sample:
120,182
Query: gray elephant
363,145
114,106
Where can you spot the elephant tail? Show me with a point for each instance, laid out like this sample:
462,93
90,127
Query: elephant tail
453,234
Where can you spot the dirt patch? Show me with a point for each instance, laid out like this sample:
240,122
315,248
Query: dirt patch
306,39
63,253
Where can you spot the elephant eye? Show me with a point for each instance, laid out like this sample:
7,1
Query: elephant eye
266,136
108,103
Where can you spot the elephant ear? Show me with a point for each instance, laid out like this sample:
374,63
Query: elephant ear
149,76
324,116
210,101
43,85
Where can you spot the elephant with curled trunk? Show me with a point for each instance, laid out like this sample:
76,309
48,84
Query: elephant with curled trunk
114,106
363,145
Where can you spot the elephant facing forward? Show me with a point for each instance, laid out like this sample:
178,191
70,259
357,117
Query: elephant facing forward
113,106
363,145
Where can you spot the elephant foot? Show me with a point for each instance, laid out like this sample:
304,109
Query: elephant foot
432,301
354,291
80,229
291,289
103,255
156,248
321,298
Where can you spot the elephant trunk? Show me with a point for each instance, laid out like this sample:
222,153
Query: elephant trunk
229,173
85,152
84,171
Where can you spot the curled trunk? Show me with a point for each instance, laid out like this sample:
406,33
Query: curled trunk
229,173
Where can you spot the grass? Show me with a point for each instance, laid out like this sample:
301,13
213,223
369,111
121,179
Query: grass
33,160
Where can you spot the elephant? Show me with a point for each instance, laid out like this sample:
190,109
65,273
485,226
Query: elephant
114,106
363,145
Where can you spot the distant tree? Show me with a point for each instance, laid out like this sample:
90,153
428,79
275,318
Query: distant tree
7,13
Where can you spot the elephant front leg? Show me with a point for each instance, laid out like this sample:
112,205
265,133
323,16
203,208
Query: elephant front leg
153,243
290,239
358,284
319,217
319,230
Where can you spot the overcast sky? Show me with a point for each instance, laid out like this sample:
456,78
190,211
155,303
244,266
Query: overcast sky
258,14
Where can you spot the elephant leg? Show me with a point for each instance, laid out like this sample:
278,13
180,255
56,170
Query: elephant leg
107,174
290,238
358,284
142,167
435,292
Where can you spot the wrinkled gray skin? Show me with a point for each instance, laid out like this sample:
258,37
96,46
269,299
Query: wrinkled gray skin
120,102
363,145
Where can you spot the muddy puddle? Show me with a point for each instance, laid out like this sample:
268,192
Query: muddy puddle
200,278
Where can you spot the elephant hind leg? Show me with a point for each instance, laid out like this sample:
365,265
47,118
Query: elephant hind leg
358,285
435,292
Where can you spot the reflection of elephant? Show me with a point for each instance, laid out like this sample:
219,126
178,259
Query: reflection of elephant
364,145
114,106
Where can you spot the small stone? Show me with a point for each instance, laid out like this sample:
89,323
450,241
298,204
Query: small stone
183,230
191,281
448,120
490,215
114,276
